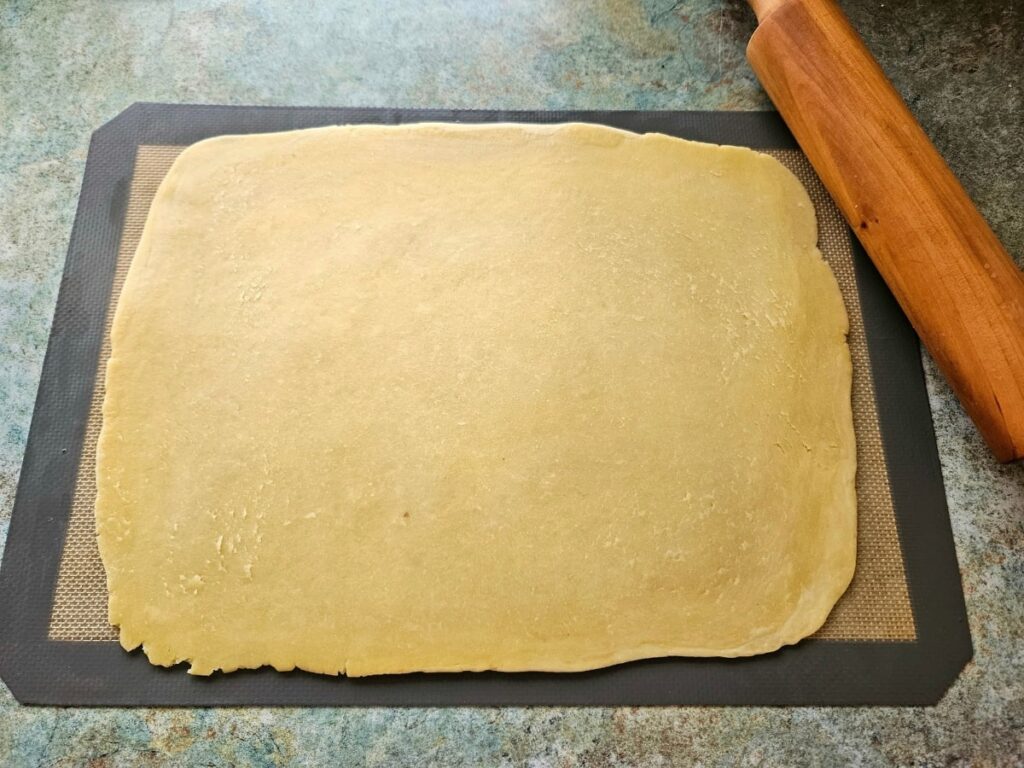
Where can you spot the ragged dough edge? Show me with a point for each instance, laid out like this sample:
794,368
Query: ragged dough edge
814,605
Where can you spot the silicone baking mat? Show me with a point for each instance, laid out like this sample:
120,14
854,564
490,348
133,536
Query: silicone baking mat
899,635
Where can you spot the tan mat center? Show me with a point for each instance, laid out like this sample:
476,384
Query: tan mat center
876,606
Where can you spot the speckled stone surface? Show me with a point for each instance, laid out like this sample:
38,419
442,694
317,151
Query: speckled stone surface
67,66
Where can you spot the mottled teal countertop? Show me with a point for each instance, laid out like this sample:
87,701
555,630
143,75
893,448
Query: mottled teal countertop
67,66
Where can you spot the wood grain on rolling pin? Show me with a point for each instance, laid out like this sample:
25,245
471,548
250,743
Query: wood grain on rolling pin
954,280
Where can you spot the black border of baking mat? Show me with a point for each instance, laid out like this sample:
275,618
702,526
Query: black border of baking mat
814,672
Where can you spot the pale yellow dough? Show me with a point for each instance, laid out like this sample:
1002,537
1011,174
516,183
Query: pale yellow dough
386,399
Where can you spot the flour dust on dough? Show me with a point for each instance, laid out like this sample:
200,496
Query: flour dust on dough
509,397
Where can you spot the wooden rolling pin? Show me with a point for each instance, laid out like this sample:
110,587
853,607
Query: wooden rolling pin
954,280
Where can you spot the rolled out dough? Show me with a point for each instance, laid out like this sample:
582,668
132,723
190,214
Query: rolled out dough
434,397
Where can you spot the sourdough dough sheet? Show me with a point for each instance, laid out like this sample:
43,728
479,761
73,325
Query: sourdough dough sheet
440,397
